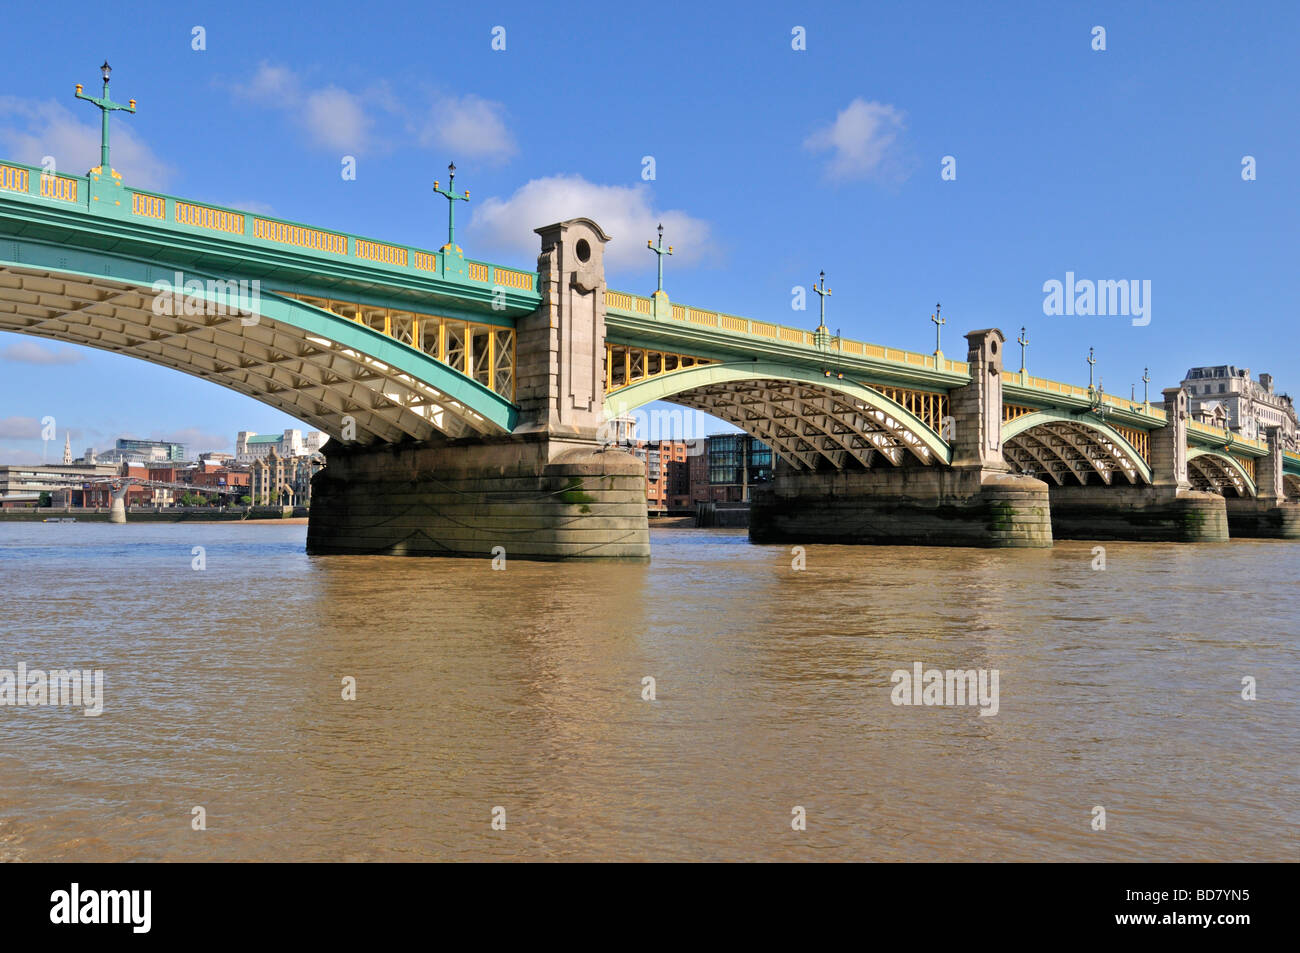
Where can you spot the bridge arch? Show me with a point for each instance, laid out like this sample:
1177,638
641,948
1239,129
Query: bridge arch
307,362
1217,472
805,416
1068,447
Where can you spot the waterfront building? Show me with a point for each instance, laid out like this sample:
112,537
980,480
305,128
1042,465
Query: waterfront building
1226,396
736,462
283,480
23,484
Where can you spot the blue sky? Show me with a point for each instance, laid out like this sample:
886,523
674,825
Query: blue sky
771,164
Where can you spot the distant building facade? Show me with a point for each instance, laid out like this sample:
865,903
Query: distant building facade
283,480
250,446
1225,395
23,484
731,466
668,472
162,451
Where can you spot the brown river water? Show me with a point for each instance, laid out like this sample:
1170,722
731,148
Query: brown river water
521,689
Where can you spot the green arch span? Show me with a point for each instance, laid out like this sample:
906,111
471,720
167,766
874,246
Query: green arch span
1232,463
665,386
310,320
1018,426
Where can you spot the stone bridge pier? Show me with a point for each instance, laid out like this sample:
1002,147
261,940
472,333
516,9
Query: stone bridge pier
1268,515
1167,510
547,491
976,501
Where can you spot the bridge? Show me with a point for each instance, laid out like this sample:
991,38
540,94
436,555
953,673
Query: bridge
467,401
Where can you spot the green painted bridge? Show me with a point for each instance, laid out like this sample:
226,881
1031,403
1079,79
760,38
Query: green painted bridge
390,348
407,342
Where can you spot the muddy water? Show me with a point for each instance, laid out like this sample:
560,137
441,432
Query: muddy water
522,689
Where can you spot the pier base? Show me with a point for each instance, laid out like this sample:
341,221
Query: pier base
1263,519
1141,513
920,506
527,498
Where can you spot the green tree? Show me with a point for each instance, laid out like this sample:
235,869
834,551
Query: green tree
46,499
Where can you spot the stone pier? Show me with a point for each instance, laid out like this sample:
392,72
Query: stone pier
1168,510
548,491
975,502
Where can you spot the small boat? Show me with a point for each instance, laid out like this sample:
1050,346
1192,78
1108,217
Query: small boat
59,519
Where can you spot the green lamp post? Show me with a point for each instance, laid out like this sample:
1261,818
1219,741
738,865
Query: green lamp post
452,199
660,251
822,336
106,106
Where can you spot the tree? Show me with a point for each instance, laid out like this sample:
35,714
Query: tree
46,499
245,500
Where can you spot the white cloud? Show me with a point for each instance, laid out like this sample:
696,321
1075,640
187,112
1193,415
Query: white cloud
271,86
28,351
861,141
332,117
624,212
468,126
32,130
336,120
463,127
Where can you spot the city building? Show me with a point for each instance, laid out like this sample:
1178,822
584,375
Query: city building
668,473
283,480
1225,395
250,446
736,462
23,484
162,451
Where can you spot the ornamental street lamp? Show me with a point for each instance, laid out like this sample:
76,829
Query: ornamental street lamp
452,199
106,106
822,336
660,251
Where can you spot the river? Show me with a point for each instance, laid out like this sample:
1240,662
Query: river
522,689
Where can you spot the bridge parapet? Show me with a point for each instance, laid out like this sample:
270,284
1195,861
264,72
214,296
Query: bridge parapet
98,196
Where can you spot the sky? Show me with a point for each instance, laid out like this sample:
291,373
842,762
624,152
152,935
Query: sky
918,153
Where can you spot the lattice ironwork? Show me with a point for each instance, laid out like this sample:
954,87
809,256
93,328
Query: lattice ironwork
485,352
928,406
1070,452
1215,474
806,424
1140,439
317,380
626,365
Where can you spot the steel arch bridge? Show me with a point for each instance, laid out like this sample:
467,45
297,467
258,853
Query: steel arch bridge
385,343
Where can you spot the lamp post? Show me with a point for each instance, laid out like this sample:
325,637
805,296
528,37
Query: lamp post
452,199
939,322
106,106
1023,340
822,336
1146,379
659,251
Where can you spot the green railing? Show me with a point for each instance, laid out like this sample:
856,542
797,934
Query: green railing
264,230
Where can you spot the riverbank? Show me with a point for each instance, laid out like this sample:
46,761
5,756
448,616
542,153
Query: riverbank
175,514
